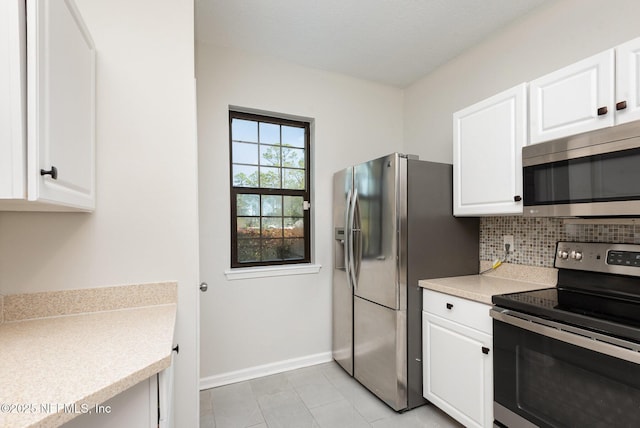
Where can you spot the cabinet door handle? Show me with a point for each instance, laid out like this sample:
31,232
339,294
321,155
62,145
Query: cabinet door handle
621,105
602,111
517,198
485,350
53,172
449,305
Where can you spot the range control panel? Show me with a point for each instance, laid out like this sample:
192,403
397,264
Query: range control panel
599,257
623,258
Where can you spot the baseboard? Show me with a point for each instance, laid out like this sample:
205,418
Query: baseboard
263,370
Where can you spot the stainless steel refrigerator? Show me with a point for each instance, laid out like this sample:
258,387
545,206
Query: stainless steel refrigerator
393,225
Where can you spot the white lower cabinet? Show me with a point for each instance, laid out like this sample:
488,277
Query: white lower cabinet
137,407
457,358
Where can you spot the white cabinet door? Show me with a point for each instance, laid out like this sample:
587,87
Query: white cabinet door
61,104
12,100
136,407
487,154
572,100
628,82
458,370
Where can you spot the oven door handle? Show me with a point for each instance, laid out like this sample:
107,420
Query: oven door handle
593,341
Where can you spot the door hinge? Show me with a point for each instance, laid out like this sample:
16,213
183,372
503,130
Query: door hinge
306,205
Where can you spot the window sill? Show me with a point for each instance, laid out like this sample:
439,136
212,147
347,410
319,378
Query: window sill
264,272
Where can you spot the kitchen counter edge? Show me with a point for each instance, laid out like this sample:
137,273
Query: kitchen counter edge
480,288
80,360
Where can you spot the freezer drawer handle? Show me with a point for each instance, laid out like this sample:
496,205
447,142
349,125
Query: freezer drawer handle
485,350
449,305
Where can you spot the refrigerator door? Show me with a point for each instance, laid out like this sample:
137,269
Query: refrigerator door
342,296
380,351
378,185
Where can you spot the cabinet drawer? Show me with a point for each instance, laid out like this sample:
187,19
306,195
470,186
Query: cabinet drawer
463,311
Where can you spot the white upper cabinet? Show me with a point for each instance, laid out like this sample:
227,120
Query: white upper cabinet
13,132
627,101
595,93
575,99
56,166
487,154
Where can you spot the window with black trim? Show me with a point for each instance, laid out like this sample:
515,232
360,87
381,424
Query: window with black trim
270,187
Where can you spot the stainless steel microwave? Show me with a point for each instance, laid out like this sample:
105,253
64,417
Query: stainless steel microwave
592,174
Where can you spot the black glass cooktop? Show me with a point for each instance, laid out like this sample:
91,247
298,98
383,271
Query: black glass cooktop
611,313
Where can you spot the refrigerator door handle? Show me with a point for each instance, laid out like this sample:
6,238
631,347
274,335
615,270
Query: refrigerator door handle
347,238
351,231
357,238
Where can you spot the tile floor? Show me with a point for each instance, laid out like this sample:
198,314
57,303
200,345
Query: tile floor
321,396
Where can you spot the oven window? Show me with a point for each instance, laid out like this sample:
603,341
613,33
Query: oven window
598,178
554,384
542,376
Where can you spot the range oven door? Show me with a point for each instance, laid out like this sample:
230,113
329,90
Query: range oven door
547,377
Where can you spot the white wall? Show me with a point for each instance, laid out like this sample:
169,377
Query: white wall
144,228
255,322
547,39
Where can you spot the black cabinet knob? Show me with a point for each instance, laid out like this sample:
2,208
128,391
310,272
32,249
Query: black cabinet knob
449,305
53,172
517,198
485,350
176,349
602,111
621,105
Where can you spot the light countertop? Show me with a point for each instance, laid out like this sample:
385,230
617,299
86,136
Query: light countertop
51,365
506,279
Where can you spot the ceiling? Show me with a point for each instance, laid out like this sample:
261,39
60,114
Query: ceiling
394,42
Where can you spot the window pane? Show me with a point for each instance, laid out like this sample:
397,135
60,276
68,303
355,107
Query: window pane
272,249
294,249
245,176
248,250
292,206
272,227
272,206
245,153
269,133
270,178
270,155
244,130
268,161
248,205
248,227
293,227
292,136
293,157
293,178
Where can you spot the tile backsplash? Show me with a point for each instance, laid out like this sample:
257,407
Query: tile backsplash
535,238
